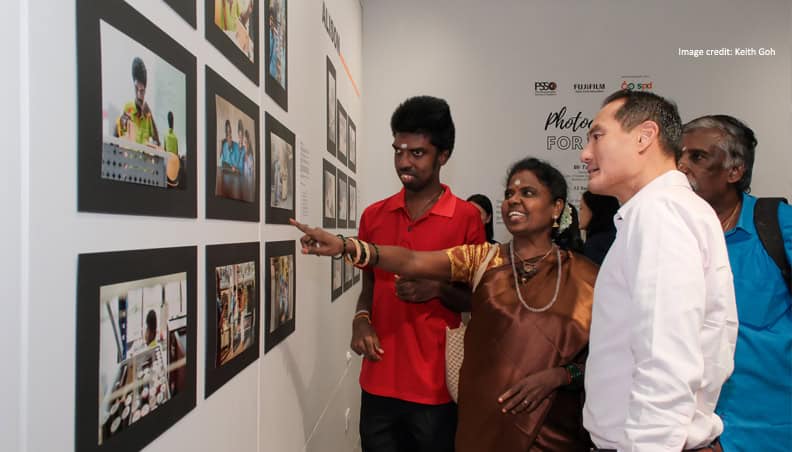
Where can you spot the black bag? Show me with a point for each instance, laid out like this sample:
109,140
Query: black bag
766,221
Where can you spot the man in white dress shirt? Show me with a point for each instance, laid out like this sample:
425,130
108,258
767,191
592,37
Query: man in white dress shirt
664,321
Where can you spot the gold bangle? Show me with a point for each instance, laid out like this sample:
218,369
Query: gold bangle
367,250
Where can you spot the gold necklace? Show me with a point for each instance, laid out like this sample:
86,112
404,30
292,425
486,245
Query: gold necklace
429,204
517,286
726,224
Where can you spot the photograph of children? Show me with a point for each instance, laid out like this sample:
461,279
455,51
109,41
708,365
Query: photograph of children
343,192
232,27
236,321
276,83
280,308
232,308
328,195
331,107
136,114
280,172
343,139
351,222
135,345
233,150
336,278
352,155
144,113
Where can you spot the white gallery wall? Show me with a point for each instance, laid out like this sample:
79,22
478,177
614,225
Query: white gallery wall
293,398
485,58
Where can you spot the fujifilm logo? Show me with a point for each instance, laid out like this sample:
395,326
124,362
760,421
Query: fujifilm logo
589,87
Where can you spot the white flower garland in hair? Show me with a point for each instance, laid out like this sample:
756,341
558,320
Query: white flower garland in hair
566,218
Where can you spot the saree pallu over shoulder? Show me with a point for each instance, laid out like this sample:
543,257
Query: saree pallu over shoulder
506,342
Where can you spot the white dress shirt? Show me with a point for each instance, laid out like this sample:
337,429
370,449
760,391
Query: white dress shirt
664,324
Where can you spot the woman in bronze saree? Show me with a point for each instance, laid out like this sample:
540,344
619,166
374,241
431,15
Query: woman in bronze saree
520,385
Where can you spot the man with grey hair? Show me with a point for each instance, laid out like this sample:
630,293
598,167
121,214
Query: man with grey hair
756,402
664,320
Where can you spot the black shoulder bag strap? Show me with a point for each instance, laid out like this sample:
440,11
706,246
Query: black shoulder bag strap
766,221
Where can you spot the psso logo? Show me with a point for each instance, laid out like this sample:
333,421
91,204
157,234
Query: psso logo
637,85
545,88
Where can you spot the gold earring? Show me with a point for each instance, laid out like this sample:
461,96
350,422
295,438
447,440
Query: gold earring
555,222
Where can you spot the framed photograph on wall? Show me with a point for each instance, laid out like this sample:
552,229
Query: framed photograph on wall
232,311
232,152
343,193
332,112
352,154
355,274
342,137
348,275
336,278
185,8
328,195
281,292
232,27
280,161
276,82
136,115
352,202
136,346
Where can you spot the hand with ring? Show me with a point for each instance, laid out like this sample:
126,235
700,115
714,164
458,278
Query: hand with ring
530,391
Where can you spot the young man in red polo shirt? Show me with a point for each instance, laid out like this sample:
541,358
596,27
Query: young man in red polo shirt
400,324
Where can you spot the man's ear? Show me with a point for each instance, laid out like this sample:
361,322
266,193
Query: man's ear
736,173
443,156
647,131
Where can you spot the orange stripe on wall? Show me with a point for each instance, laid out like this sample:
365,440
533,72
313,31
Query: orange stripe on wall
349,74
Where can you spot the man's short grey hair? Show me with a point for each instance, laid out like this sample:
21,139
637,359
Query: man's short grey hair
738,142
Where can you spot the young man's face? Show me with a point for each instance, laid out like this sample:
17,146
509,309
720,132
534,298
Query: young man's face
228,132
703,162
611,154
140,94
417,161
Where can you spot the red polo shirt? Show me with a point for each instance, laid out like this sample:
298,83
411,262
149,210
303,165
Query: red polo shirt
413,334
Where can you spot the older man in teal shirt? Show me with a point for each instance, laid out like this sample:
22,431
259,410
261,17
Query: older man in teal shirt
756,402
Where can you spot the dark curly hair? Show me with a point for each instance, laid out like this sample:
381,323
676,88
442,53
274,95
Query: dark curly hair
426,115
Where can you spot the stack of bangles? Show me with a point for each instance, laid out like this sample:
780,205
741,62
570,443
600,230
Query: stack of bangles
365,253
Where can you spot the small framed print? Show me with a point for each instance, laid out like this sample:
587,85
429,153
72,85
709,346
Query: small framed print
343,193
352,202
352,154
328,195
280,172
342,138
331,110
136,346
232,27
348,275
136,115
232,311
276,82
336,278
185,8
232,152
355,274
281,292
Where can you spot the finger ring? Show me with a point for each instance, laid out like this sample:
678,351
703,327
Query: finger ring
525,402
